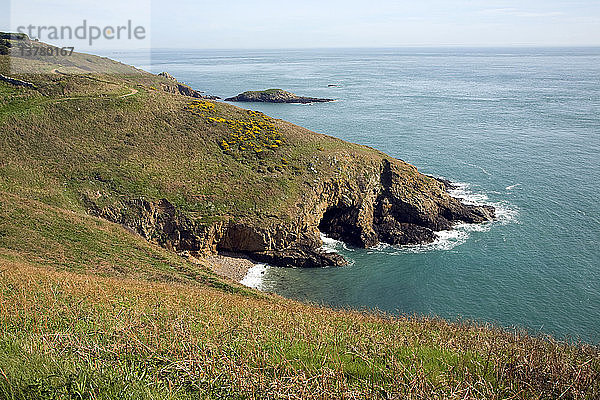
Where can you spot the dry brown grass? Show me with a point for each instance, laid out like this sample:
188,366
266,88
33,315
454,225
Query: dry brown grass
180,340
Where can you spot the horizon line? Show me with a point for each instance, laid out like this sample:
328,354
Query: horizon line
519,46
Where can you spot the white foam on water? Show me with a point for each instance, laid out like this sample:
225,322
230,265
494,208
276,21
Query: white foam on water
449,239
505,212
511,187
481,168
331,245
446,240
255,276
462,191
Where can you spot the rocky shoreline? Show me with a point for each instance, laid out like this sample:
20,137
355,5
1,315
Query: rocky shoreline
351,193
382,202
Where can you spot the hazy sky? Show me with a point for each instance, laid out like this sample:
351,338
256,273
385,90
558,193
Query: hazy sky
334,23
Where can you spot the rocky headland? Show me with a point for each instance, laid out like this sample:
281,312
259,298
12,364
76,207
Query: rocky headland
202,177
365,203
199,189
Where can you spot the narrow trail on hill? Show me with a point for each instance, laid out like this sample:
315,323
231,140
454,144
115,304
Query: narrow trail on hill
131,93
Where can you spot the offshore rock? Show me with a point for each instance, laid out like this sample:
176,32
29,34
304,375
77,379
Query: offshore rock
275,96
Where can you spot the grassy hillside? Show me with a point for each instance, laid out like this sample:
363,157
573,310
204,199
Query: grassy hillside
27,58
120,135
97,141
36,234
90,310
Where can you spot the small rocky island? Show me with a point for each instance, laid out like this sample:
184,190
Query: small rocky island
275,96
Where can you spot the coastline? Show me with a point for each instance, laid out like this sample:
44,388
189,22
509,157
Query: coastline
232,266
248,272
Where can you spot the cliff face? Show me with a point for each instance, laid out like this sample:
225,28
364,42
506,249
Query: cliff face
395,207
171,85
363,203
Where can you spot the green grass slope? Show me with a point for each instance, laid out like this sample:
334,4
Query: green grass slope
33,233
89,310
118,135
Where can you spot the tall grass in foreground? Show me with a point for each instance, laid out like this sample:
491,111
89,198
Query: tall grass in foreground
78,336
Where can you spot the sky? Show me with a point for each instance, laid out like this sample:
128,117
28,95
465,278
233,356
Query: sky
262,24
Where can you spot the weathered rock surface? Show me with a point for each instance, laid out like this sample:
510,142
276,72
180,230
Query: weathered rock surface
275,96
382,201
175,87
167,76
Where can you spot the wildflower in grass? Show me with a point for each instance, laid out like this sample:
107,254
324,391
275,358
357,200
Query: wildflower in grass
253,133
224,145
198,106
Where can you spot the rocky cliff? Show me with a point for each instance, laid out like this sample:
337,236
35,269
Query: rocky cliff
363,203
201,176
171,85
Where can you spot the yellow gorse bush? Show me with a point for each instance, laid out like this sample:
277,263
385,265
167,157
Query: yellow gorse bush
253,134
197,106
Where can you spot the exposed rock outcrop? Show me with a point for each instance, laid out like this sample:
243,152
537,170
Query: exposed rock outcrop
275,96
386,201
16,82
167,76
400,207
173,86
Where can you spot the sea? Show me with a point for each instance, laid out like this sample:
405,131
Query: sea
517,128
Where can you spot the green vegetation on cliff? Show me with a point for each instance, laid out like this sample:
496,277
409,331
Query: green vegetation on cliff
85,134
91,310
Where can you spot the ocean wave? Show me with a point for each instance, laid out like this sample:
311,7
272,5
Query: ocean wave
255,276
446,240
478,167
331,245
505,212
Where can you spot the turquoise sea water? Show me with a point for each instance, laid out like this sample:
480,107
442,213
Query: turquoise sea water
519,128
